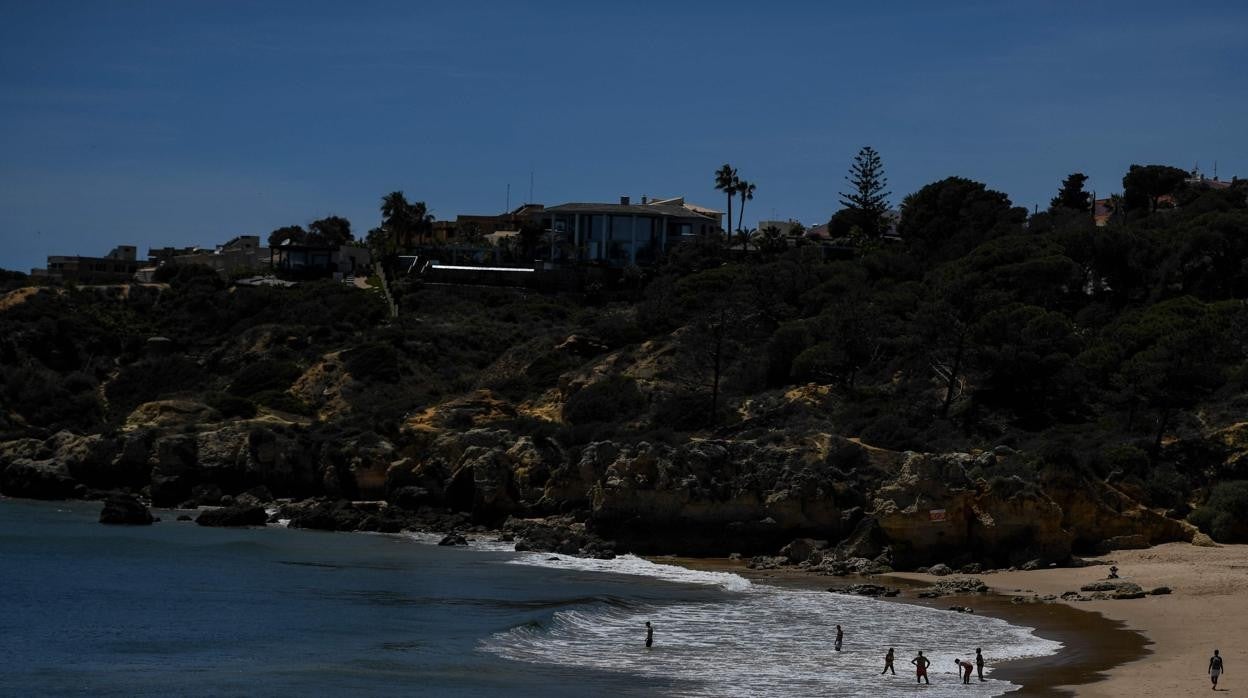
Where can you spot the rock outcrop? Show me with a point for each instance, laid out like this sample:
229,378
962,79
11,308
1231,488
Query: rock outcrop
124,509
932,511
233,516
806,499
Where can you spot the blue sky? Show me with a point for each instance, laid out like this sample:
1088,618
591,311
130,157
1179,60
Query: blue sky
178,122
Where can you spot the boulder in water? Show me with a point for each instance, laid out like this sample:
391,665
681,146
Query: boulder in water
125,509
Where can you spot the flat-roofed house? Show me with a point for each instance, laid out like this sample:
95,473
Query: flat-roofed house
118,265
624,233
312,261
242,254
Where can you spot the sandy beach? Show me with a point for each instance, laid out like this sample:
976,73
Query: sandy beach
1207,609
1154,646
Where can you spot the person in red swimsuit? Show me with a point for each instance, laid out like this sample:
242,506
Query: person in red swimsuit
921,664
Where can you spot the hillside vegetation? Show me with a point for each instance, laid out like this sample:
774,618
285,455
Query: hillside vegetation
1062,375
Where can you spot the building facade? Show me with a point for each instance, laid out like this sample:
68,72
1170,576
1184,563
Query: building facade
117,266
620,234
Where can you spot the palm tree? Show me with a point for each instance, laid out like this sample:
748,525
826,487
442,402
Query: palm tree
404,220
394,208
726,180
746,190
747,236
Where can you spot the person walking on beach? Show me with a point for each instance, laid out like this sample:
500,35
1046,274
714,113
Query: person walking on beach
840,637
979,662
921,664
888,663
964,668
649,634
1215,668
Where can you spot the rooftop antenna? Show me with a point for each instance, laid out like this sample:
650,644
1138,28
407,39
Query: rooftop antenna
1215,170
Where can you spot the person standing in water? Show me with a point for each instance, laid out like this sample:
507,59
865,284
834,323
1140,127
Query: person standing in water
1215,668
649,634
979,662
888,663
921,664
964,668
840,637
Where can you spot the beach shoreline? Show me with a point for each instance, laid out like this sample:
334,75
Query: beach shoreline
1158,645
1093,645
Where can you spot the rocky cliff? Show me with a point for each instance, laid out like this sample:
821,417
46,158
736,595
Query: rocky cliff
711,496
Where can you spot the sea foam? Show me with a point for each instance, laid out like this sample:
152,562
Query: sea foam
751,639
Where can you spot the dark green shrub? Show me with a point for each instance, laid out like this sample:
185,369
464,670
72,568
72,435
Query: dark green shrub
785,345
890,431
180,275
283,402
264,375
1123,458
1224,515
683,411
613,399
232,405
375,361
1166,487
151,379
848,457
45,401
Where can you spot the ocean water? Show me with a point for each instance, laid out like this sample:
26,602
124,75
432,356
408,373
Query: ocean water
180,610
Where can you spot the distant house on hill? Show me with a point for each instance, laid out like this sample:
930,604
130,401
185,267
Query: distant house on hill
525,215
622,234
818,232
242,253
786,228
1103,211
315,261
118,266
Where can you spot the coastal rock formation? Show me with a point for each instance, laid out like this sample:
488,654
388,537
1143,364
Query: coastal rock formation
866,590
1095,512
56,468
806,498
126,510
959,586
233,516
932,510
170,414
710,496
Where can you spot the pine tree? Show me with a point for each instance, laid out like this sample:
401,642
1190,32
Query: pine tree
1072,194
867,197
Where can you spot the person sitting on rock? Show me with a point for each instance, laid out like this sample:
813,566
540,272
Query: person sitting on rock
888,663
1113,572
921,664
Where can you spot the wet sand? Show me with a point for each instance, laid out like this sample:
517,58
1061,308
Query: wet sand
1092,645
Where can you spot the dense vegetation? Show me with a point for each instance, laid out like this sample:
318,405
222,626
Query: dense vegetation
1109,350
